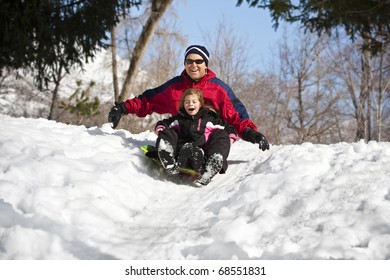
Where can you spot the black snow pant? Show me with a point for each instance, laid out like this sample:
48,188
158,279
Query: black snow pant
218,143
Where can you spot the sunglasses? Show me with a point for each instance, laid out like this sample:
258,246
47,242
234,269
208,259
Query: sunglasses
197,61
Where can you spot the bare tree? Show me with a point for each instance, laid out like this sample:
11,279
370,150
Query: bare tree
312,101
114,64
165,56
366,80
229,55
364,108
56,77
266,104
158,9
381,86
162,61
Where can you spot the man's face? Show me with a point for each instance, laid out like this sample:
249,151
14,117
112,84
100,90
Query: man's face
194,68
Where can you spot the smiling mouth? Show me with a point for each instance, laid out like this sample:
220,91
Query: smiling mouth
191,109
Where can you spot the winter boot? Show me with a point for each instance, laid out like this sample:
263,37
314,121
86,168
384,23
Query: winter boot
167,158
213,166
184,155
191,156
197,159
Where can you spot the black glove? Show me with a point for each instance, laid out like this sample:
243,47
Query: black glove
116,113
253,136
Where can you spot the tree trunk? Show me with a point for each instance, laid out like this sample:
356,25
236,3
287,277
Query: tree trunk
114,65
55,92
383,84
157,11
369,95
362,111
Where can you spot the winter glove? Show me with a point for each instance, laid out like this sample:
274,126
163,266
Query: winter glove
116,113
253,136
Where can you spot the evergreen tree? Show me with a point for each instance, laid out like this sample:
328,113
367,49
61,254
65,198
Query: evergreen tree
80,103
36,34
366,19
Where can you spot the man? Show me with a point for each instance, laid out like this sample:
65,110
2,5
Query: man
165,98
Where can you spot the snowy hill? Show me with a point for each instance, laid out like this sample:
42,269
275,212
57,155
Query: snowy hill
19,96
68,192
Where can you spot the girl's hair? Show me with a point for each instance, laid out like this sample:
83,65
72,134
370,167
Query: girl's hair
192,91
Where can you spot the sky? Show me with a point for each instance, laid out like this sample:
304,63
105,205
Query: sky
69,193
253,25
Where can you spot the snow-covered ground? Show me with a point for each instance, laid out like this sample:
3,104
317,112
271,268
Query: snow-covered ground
68,192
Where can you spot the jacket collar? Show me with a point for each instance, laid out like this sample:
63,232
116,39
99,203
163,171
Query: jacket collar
191,83
202,112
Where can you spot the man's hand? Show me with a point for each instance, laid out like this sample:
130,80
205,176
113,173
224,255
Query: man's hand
254,136
116,113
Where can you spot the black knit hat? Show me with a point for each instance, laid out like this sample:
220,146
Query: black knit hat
202,51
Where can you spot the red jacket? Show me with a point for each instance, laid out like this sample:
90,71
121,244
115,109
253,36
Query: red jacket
165,99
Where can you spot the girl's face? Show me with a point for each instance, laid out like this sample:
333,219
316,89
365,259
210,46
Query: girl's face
191,104
195,66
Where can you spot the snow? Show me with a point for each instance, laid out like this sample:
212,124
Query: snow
20,97
99,71
70,192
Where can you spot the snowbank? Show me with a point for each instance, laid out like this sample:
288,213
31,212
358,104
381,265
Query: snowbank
68,192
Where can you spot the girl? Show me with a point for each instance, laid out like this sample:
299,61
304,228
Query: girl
194,134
